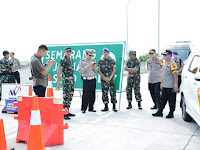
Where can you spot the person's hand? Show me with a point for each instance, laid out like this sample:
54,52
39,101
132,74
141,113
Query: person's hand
176,89
108,79
52,61
58,87
105,79
48,62
161,86
94,66
90,65
133,70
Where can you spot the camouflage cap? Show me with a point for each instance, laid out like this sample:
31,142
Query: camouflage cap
89,51
132,53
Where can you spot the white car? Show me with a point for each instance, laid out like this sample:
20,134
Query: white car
190,88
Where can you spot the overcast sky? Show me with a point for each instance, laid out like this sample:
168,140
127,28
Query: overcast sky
27,24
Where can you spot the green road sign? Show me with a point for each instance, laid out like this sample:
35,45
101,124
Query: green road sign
79,52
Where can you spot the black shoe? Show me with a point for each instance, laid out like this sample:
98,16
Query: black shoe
139,105
114,108
83,111
170,115
157,114
154,107
72,115
106,107
66,117
92,110
129,105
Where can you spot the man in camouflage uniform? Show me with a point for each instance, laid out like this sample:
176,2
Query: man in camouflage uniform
133,79
67,67
107,69
169,85
6,68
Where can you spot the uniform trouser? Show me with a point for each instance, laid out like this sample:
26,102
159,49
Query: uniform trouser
68,92
39,90
179,80
17,76
169,95
88,97
108,87
154,89
130,86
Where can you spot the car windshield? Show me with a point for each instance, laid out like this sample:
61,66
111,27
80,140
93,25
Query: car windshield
194,67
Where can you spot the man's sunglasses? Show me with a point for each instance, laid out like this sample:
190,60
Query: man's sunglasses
151,53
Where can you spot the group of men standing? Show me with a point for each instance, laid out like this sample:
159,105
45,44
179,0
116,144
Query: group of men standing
9,69
106,67
164,77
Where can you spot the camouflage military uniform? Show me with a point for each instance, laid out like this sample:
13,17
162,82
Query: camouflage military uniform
106,67
133,80
67,67
5,72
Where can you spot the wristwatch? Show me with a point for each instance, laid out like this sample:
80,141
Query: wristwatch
111,77
175,85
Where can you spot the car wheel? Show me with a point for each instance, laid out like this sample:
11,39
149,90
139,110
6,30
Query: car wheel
185,115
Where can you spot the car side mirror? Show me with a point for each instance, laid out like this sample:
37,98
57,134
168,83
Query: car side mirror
197,76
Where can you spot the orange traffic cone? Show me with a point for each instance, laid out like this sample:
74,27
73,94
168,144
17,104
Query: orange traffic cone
3,145
35,140
30,90
49,87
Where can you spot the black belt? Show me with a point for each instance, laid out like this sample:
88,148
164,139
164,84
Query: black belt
1,74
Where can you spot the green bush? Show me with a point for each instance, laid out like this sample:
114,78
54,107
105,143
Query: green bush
144,57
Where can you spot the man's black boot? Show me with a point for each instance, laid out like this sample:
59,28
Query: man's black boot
106,107
170,115
129,105
139,105
114,108
66,117
71,115
158,114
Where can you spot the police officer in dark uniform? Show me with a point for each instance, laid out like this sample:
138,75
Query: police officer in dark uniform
180,64
154,65
169,85
88,69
